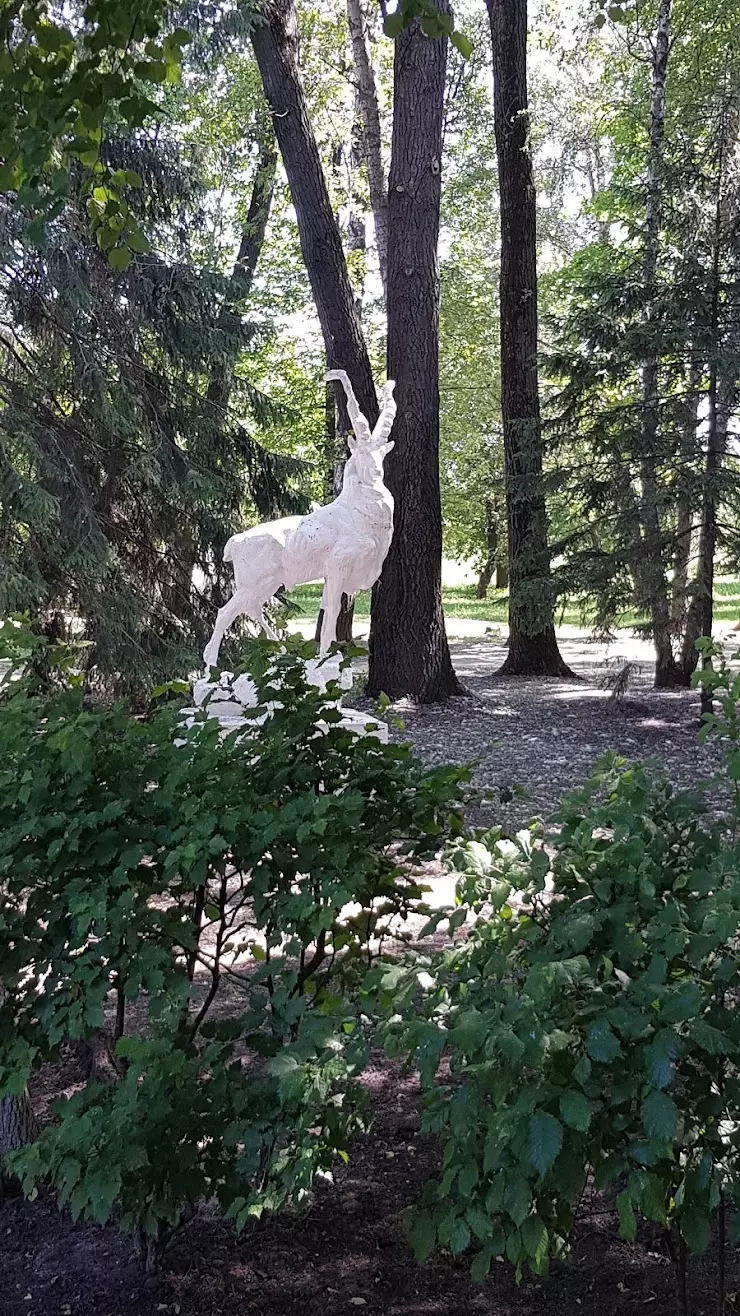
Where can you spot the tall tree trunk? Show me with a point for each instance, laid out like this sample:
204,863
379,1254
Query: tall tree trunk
651,576
335,450
337,442
722,398
489,567
533,648
685,502
700,617
409,653
275,42
245,266
371,136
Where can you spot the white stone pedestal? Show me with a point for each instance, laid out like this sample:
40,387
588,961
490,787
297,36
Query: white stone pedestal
227,698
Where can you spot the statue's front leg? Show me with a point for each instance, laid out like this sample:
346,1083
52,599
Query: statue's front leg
236,606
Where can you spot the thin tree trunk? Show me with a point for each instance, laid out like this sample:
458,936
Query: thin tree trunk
336,443
651,579
486,575
275,42
242,277
533,648
409,653
371,136
722,397
335,460
700,617
685,507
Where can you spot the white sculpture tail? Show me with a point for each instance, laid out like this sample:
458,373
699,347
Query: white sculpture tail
344,544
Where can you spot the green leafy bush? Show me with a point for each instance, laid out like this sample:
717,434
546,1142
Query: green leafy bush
587,1026
174,901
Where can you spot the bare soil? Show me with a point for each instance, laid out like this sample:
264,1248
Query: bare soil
546,735
345,1253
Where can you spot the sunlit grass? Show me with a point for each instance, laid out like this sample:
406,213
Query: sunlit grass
460,601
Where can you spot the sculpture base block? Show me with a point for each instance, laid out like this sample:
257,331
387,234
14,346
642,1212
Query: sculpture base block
227,699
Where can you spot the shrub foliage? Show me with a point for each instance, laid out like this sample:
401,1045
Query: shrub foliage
587,1026
178,897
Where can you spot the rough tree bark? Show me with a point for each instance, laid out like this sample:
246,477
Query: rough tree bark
18,1128
651,580
409,653
335,444
371,137
335,459
685,501
245,266
275,42
722,399
533,648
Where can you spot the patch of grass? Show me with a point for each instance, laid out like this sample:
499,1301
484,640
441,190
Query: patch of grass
460,601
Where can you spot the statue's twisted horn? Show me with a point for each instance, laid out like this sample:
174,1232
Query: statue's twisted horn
387,415
359,422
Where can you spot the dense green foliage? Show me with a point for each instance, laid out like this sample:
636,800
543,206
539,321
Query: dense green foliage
180,897
587,1024
121,474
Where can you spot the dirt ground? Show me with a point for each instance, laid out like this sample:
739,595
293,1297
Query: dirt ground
346,1252
546,735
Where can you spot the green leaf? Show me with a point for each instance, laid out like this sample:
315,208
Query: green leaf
151,70
481,1264
682,1004
601,1042
138,242
422,1234
575,1111
517,1199
710,1039
660,1058
460,1237
544,1140
582,1071
652,1199
458,918
479,1221
393,25
468,1178
695,1227
627,1221
536,1241
659,1116
119,258
462,44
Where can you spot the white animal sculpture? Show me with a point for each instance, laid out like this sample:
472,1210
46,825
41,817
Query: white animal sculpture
344,544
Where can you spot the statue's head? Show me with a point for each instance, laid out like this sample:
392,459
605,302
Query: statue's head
366,460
